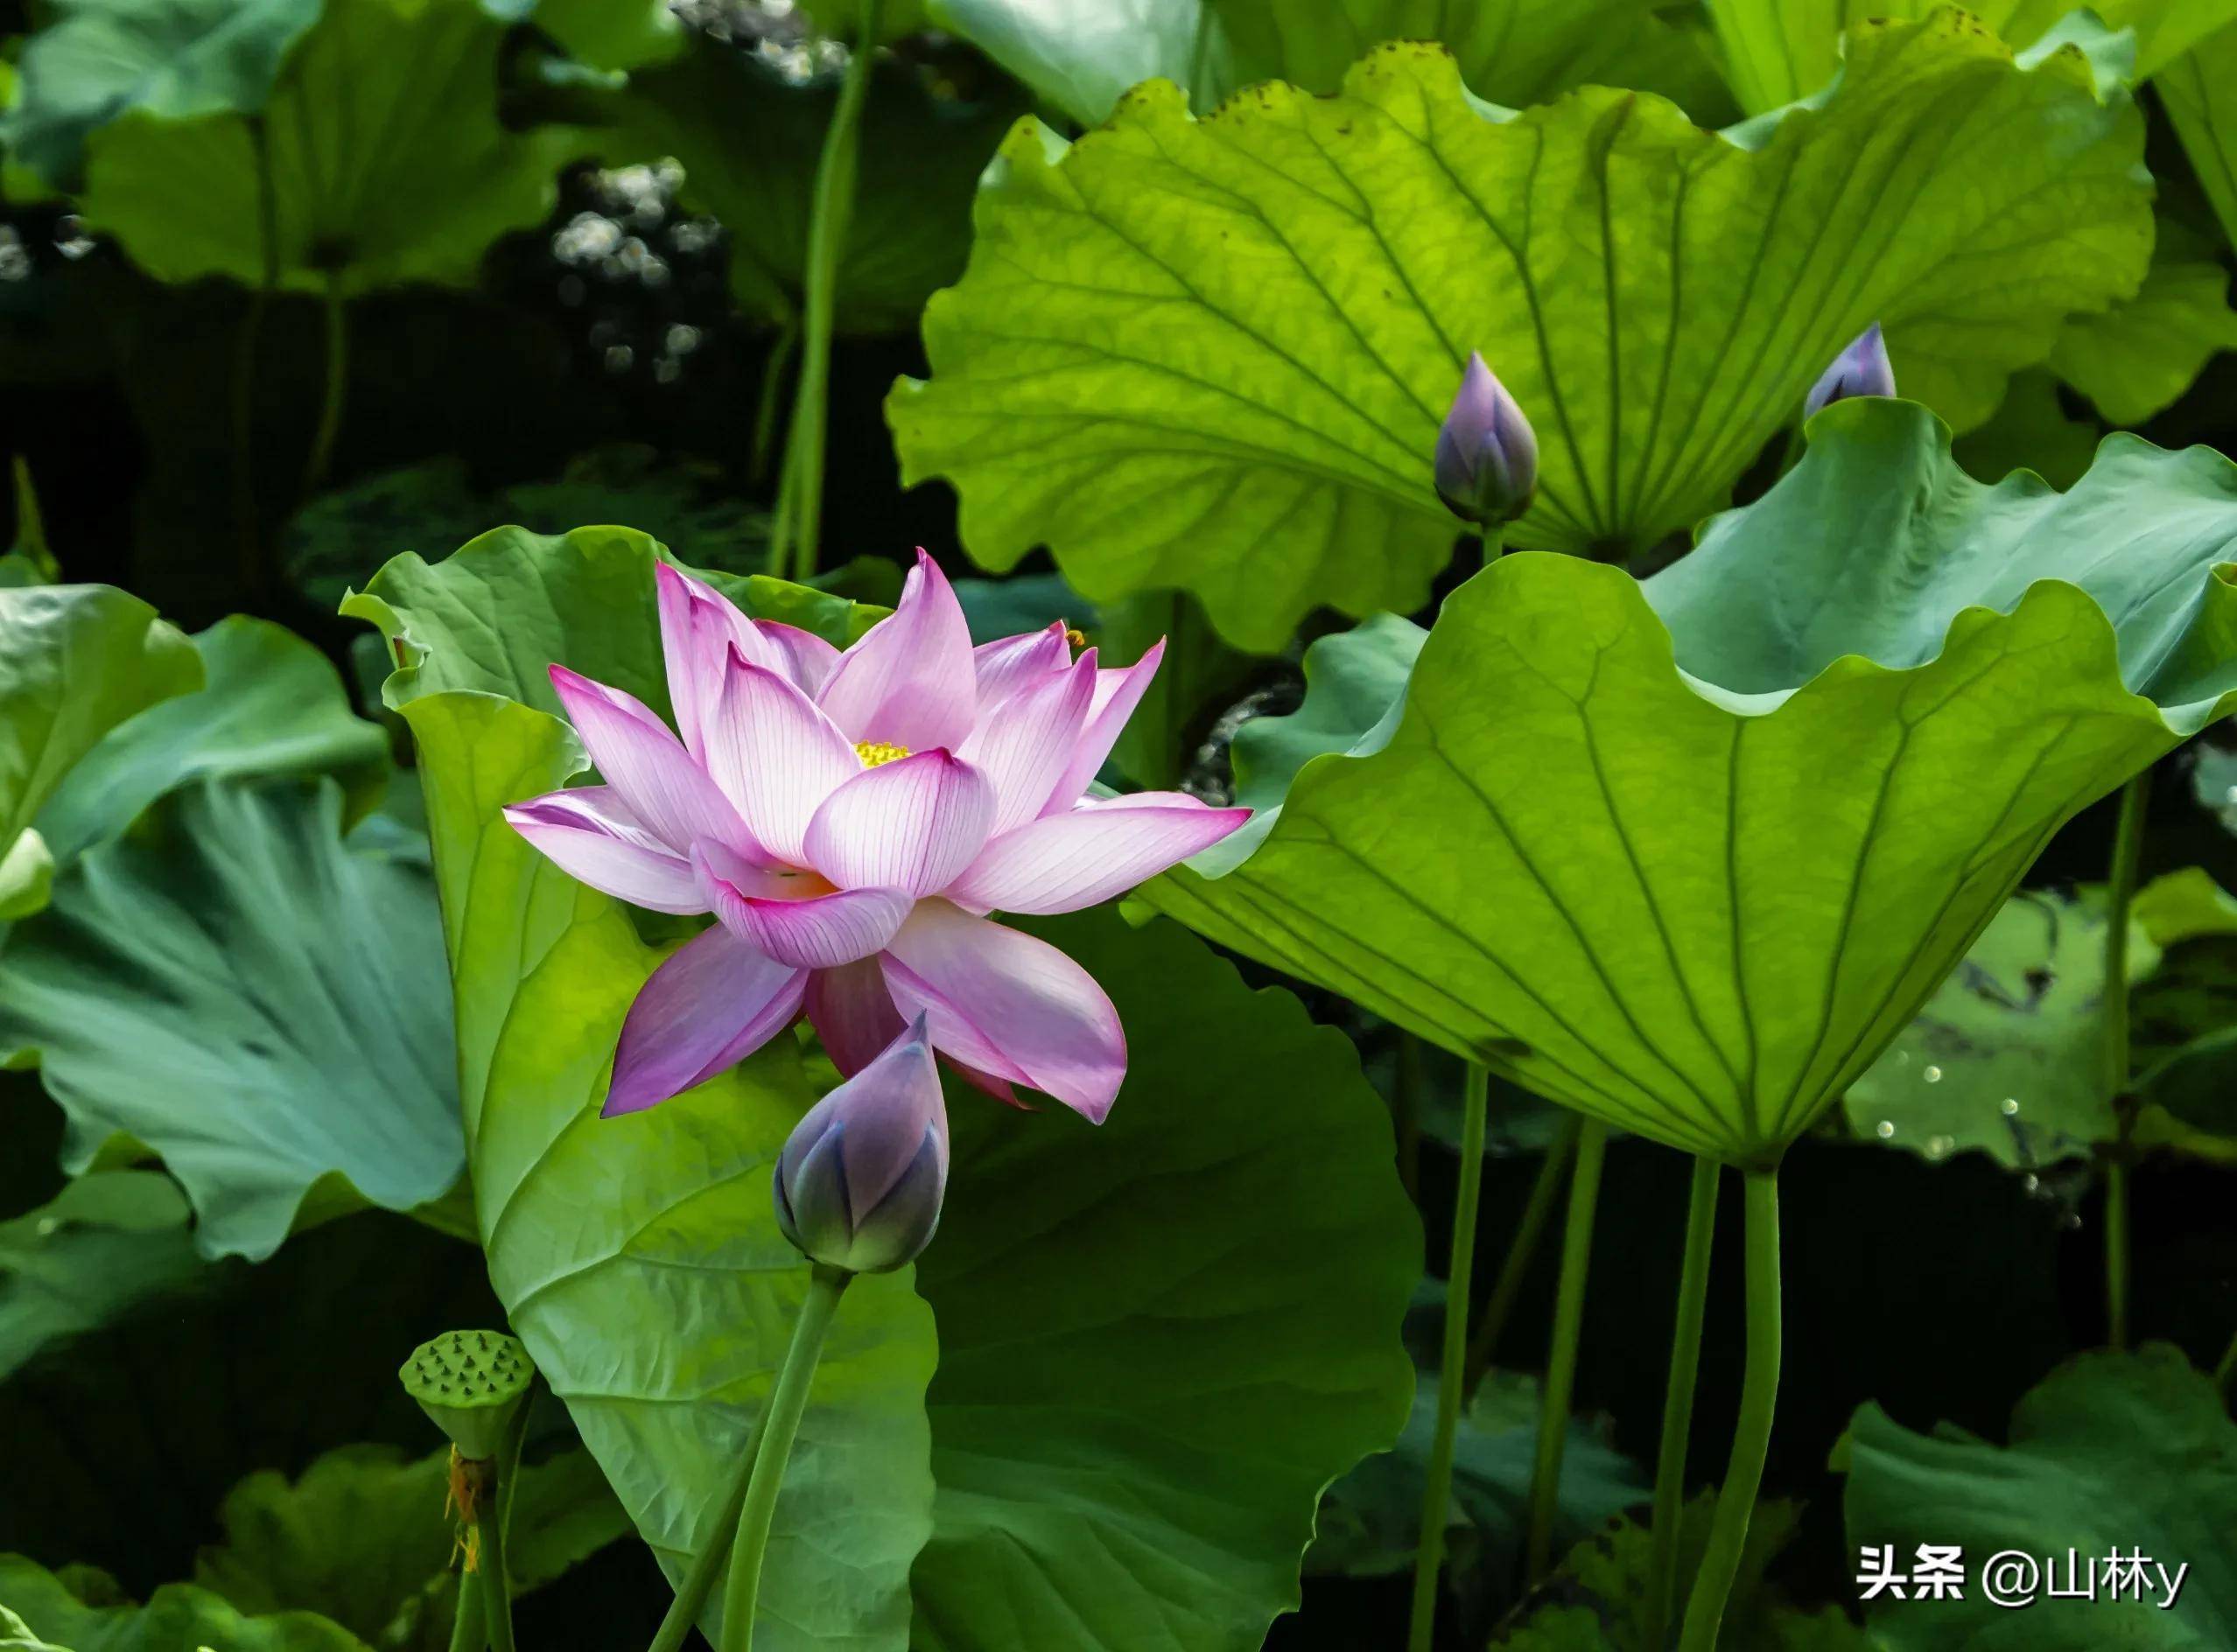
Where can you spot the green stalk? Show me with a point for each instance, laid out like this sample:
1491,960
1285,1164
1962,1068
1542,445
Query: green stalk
764,414
787,1402
698,1582
833,204
1678,1400
469,1632
330,410
1736,1501
490,1521
2128,856
1537,1212
1562,1363
1430,1552
248,524
1406,1108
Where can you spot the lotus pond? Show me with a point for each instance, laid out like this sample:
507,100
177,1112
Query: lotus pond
1117,826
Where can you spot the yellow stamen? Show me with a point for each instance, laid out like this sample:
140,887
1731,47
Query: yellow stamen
873,753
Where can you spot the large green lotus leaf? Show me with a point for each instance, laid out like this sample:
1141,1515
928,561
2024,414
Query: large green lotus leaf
1777,50
1597,1599
270,705
90,61
382,162
2183,1016
2198,91
177,1618
493,616
1370,1521
1515,53
2008,1055
1686,856
75,661
750,142
364,1537
2127,1451
1215,353
1160,1339
2136,358
252,998
342,537
638,1257
107,1242
1082,55
605,34
2031,432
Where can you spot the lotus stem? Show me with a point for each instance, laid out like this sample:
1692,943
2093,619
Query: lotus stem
765,413
1678,1399
2120,888
782,1421
698,1581
469,1630
827,223
1515,1268
248,522
491,1518
1429,1553
1406,1112
1736,1501
1561,1362
337,387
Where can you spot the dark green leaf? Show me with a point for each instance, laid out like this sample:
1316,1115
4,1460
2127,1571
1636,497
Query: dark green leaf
2133,1452
286,1037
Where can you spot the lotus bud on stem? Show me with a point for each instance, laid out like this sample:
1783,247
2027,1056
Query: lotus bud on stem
474,1385
857,1189
1486,460
1862,370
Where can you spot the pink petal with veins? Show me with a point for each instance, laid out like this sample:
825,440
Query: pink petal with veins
1009,1005
911,824
711,1004
647,768
1062,863
910,681
589,834
1026,745
1117,693
775,756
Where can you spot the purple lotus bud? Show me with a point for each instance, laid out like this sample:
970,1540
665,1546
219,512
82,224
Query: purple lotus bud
860,1182
1862,370
1487,454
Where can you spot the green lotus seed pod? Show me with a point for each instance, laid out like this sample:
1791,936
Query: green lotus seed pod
473,1383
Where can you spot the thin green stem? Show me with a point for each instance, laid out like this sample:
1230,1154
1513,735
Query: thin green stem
1736,1501
1430,1552
1538,1211
827,223
337,387
706,1565
1405,1110
490,1521
1562,1363
1678,1400
469,1630
787,1402
248,522
764,414
2120,888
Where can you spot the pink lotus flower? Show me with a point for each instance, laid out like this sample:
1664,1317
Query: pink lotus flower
850,819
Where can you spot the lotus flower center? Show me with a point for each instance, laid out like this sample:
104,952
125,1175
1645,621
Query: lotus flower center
873,753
